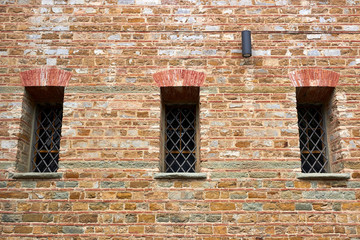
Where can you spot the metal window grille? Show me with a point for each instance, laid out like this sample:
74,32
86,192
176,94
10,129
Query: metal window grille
312,133
47,139
180,138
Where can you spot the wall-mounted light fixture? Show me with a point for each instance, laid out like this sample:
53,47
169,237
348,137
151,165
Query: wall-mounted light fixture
246,43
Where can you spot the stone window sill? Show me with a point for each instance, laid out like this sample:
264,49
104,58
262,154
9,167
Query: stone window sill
33,175
323,176
180,176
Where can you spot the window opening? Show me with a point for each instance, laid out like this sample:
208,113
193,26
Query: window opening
180,138
312,132
46,147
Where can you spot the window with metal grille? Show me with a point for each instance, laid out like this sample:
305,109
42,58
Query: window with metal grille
46,141
180,138
313,144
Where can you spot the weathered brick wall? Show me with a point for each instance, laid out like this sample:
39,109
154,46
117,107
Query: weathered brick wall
11,138
248,120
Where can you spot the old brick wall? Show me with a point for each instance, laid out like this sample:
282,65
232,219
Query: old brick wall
111,123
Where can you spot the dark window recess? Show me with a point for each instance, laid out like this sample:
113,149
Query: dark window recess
180,139
312,138
47,138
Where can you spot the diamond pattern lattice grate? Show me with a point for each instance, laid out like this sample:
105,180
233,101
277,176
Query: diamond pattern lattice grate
47,139
180,145
312,139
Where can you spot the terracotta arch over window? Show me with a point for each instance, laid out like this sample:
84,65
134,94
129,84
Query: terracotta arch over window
179,77
314,78
45,77
317,114
42,113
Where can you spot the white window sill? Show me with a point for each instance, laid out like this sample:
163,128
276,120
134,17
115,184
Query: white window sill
35,175
323,176
180,175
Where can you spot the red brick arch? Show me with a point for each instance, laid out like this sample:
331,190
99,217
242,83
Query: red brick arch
45,77
314,78
179,77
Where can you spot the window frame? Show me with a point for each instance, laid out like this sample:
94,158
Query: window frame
179,100
323,96
42,96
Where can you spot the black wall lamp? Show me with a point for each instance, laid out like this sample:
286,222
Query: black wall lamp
246,43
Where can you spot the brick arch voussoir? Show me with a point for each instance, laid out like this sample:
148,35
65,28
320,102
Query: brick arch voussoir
179,77
45,77
314,78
